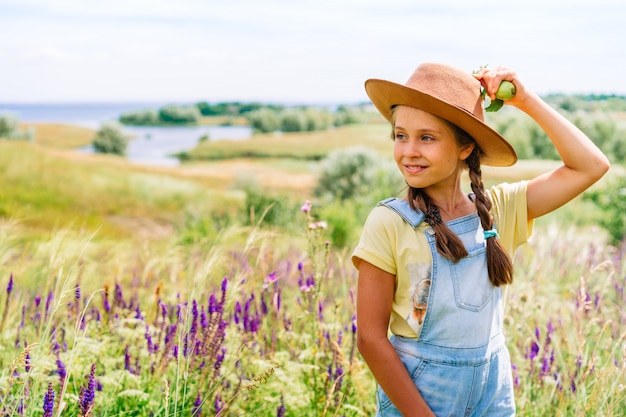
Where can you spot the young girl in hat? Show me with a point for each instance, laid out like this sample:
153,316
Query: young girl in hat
432,265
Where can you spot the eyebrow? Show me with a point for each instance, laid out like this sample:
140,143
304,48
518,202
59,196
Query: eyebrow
423,130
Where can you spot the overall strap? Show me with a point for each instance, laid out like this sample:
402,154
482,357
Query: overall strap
404,210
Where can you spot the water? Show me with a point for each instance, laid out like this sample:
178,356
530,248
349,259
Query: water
150,145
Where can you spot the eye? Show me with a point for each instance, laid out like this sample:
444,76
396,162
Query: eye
399,136
427,138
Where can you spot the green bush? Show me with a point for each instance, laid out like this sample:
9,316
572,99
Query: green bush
358,174
318,119
148,117
110,139
264,120
604,131
611,200
343,224
293,120
173,114
346,116
9,129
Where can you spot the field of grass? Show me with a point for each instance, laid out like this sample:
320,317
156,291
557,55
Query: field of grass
109,308
304,145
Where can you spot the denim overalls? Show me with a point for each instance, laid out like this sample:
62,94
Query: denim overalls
459,361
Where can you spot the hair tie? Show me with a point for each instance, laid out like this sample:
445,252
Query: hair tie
433,217
490,233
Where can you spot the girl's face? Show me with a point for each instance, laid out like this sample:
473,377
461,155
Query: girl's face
426,149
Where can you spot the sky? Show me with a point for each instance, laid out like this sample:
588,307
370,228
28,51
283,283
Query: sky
300,52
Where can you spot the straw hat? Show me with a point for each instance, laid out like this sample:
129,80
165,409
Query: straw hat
451,94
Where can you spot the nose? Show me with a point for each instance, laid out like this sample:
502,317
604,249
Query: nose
412,149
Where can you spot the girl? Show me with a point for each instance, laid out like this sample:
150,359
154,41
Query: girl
446,355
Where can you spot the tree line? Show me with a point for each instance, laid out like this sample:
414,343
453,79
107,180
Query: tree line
263,118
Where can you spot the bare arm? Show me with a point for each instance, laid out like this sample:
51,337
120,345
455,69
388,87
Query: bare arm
583,162
374,299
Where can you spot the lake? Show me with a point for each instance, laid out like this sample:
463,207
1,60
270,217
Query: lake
150,145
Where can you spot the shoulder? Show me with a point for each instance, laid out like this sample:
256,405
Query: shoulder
508,194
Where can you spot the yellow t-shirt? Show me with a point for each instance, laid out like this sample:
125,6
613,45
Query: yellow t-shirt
391,244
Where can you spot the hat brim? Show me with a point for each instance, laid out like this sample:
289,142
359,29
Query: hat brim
496,151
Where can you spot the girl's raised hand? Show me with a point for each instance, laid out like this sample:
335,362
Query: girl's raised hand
491,78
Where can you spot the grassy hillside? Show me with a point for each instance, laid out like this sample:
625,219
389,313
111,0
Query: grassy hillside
303,145
46,184
44,189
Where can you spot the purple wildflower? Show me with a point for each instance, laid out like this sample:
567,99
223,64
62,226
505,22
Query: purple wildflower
339,377
545,367
163,309
105,299
10,285
515,375
306,207
170,333
194,319
204,323
88,393
220,358
23,322
276,301
118,296
281,410
213,307
197,406
127,366
224,288
77,291
48,402
270,279
61,370
218,403
149,341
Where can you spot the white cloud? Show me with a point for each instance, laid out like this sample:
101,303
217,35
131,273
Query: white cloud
296,51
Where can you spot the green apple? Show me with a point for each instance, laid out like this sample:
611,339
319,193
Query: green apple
506,91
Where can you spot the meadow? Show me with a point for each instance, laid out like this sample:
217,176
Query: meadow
128,290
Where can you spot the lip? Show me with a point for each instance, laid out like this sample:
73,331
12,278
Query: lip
414,169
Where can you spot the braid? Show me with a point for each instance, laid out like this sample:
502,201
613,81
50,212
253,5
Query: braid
499,263
448,244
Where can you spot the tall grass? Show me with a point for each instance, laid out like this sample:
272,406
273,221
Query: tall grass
262,324
99,317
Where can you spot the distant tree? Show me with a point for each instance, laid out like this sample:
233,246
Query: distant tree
179,114
345,115
318,119
359,174
293,120
612,202
110,139
264,120
9,128
148,117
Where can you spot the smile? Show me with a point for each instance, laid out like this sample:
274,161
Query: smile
414,169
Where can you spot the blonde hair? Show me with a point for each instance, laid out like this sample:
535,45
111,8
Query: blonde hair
499,263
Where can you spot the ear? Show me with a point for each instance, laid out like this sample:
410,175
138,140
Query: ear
466,151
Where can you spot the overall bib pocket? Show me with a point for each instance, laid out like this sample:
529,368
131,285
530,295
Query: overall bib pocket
472,288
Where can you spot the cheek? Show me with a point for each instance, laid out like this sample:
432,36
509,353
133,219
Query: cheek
397,151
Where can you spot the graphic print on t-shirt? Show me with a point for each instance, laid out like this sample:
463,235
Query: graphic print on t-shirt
419,274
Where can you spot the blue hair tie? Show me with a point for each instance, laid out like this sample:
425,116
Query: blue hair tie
490,233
